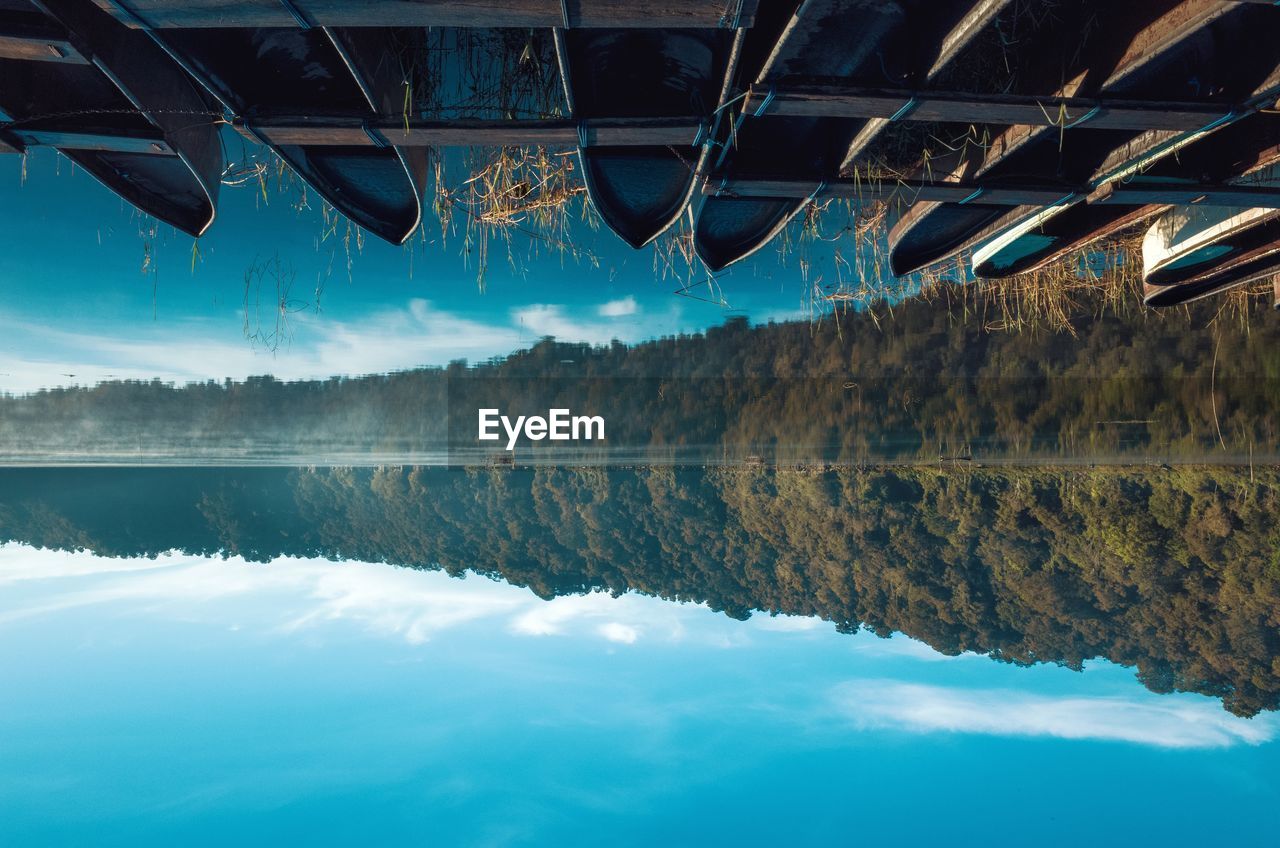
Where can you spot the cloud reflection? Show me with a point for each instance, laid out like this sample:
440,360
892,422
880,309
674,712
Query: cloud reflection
1162,721
291,595
305,594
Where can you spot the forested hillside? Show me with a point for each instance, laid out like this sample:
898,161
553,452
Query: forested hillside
908,385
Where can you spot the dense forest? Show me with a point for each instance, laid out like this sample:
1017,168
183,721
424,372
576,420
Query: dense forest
911,383
1173,571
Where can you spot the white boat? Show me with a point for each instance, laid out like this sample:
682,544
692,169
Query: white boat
1192,252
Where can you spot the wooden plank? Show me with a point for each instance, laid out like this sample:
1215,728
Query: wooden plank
982,15
837,101
328,131
195,14
1159,37
904,189
89,139
35,43
1029,194
1154,193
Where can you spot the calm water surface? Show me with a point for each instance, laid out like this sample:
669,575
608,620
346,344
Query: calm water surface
688,656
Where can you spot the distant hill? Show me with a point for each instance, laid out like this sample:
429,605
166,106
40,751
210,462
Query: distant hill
912,383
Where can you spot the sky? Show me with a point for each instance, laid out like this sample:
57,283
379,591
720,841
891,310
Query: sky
194,701
77,307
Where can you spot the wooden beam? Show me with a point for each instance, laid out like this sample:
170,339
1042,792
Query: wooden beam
840,101
196,14
908,190
36,43
1028,194
347,132
92,139
1155,193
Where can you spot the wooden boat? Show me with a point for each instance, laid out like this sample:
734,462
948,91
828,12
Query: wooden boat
1234,154
125,111
1175,48
640,73
1192,252
842,41
347,72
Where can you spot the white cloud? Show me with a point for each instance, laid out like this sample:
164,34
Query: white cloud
619,308
547,319
389,340
414,335
787,623
617,632
622,619
296,595
904,647
1161,721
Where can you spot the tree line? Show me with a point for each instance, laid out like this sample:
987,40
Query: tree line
912,385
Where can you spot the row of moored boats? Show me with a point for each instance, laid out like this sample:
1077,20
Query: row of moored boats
169,89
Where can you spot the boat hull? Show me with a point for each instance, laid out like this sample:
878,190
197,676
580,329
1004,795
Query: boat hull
1048,236
640,191
129,86
825,38
1193,252
1182,50
907,43
255,72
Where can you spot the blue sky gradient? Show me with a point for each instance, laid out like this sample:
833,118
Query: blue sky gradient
77,301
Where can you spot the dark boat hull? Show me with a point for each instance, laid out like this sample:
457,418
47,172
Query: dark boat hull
1260,267
640,191
906,42
256,71
1183,46
825,38
130,86
731,228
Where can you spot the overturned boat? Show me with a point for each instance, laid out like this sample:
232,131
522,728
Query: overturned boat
1192,252
1234,155
640,191
1175,49
117,106
256,73
869,42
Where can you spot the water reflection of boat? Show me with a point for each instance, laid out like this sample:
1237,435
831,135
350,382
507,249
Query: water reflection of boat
317,72
1198,52
120,108
868,41
640,191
